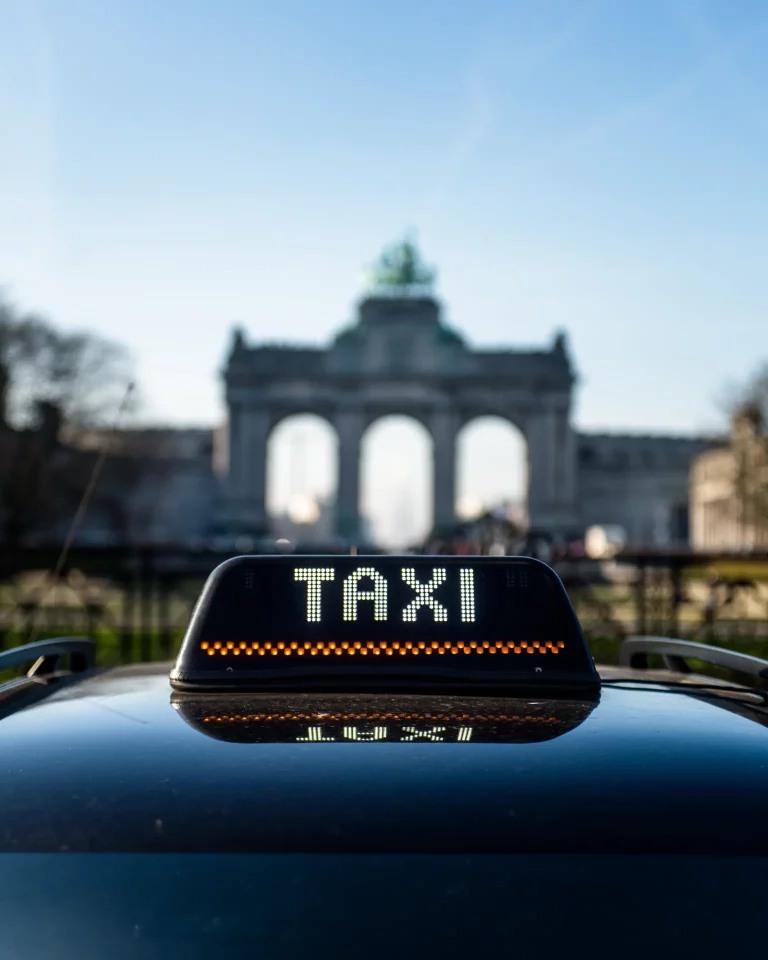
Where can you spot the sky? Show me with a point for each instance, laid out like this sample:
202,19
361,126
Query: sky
169,168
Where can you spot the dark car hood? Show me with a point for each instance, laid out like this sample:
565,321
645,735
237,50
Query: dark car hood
111,763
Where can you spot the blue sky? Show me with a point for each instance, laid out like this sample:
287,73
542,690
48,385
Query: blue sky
171,167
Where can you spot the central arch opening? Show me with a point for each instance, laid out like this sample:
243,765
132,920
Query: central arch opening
396,482
302,455
492,470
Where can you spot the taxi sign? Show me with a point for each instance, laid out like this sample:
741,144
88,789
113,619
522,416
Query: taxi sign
385,623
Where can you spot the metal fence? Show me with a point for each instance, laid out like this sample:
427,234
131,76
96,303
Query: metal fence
136,603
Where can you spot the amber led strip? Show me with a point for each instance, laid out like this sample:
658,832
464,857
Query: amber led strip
382,648
327,717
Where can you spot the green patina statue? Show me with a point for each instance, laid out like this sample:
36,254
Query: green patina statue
400,271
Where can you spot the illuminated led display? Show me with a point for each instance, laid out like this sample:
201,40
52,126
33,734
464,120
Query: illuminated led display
408,734
314,734
353,594
288,730
315,577
435,734
424,596
467,580
355,733
390,727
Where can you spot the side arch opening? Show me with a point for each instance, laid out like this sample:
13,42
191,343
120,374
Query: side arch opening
302,466
396,482
492,470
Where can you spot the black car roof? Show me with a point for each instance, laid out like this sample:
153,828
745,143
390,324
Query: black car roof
117,762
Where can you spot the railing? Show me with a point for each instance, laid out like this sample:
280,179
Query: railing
135,604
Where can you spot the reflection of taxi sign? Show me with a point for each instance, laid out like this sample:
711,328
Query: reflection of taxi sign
391,623
421,720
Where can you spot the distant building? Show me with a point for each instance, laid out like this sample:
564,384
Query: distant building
155,485
729,489
637,482
160,443
158,487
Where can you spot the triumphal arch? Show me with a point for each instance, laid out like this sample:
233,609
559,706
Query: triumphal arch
400,357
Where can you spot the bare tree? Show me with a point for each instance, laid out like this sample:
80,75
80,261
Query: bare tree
757,391
83,375
747,405
751,393
53,385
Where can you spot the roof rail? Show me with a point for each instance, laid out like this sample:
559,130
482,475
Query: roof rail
44,655
634,652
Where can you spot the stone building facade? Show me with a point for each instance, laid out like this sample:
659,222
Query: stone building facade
164,482
729,490
638,482
156,486
399,357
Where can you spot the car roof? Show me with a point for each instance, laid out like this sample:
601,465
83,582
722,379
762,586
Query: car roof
117,762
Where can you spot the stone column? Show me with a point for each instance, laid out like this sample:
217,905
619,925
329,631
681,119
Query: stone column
259,424
444,427
235,440
565,487
248,434
349,427
540,439
568,478
552,470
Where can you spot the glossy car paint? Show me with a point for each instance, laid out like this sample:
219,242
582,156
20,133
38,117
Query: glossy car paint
111,764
